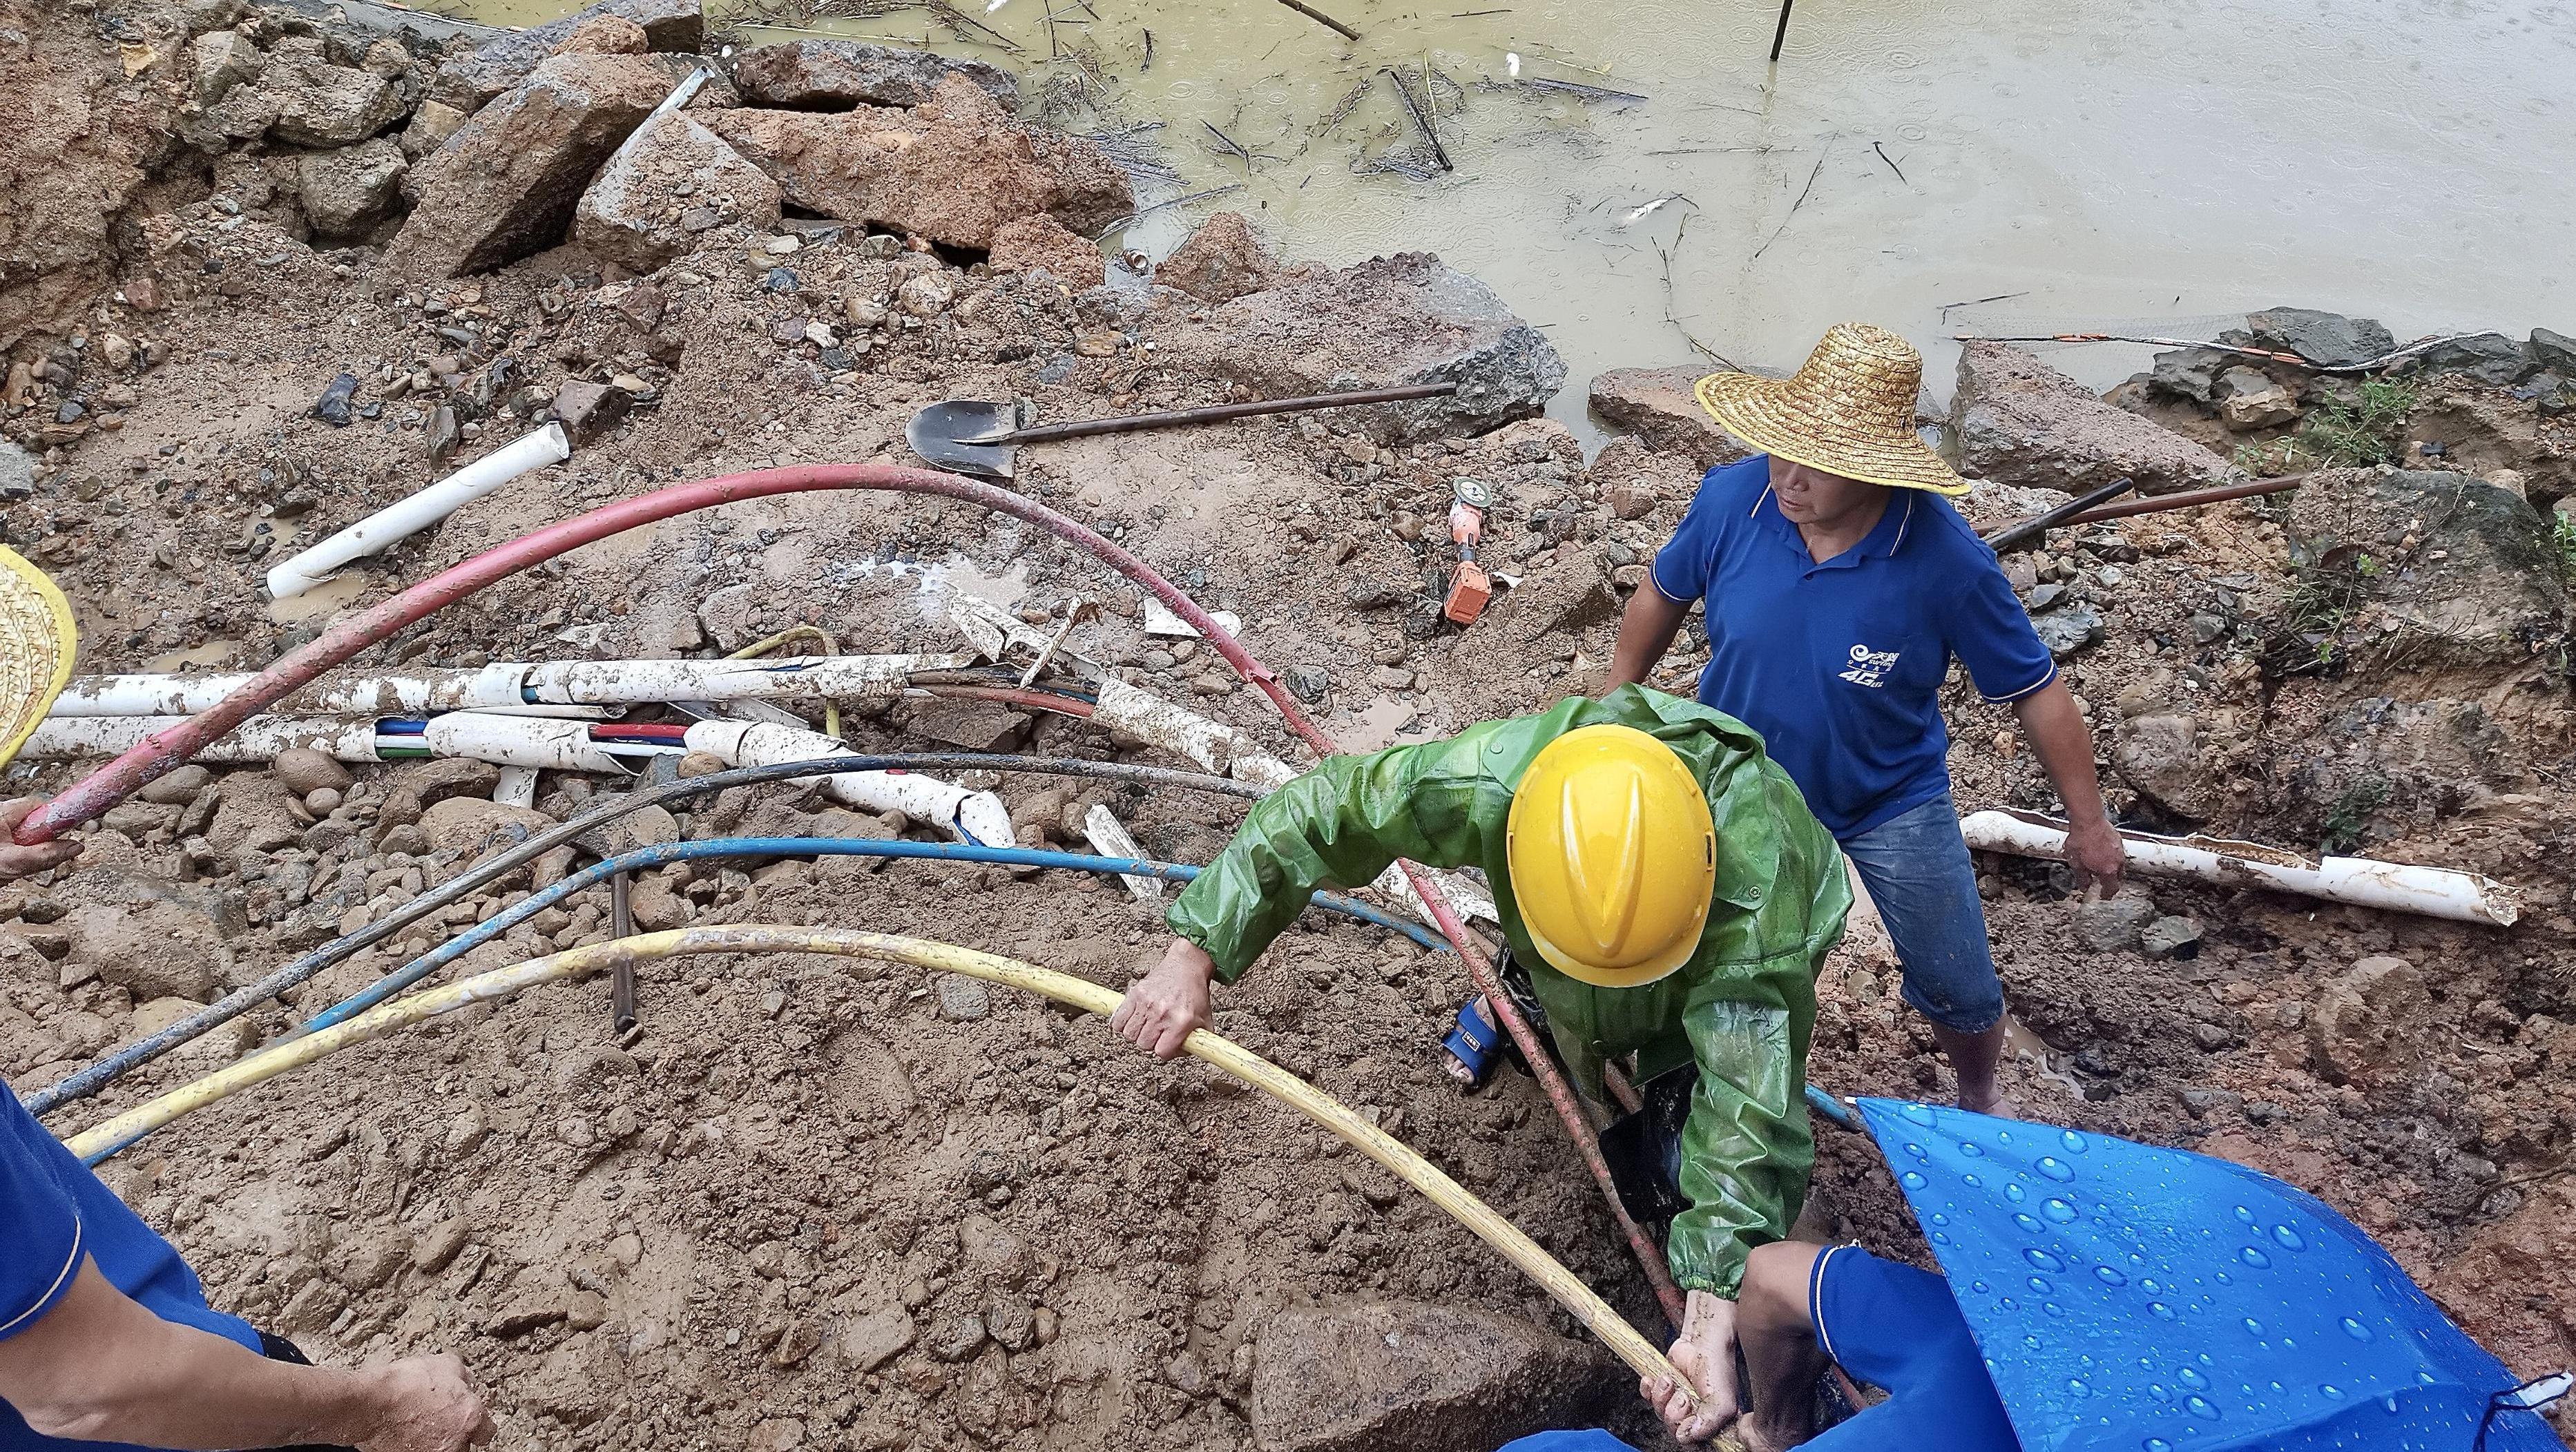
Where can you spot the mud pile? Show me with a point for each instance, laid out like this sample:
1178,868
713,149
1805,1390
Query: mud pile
819,1202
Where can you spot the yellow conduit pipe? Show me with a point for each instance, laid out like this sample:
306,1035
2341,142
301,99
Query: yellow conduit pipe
1561,1284
759,648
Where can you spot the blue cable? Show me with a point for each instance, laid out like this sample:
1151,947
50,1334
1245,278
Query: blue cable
669,852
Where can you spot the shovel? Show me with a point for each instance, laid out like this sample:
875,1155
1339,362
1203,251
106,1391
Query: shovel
975,437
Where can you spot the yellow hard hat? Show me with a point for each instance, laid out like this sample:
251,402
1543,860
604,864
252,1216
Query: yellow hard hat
1613,856
36,644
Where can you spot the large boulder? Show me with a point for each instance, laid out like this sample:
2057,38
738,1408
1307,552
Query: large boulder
952,170
2015,420
2159,754
152,949
2329,340
1406,1377
1219,262
1384,322
2489,358
468,81
2423,569
2483,430
1658,406
316,103
347,191
656,197
836,75
506,184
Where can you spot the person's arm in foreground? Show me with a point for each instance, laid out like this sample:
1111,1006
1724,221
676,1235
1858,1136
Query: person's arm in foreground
17,861
2064,745
1746,1155
1646,631
1341,823
99,1367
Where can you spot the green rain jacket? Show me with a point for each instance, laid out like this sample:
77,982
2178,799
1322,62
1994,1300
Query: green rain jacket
1742,1008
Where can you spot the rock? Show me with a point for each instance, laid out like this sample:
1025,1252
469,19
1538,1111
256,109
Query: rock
2015,420
468,81
220,60
952,170
1629,501
430,127
347,191
2368,1020
2067,631
604,35
1221,261
303,771
1042,242
507,183
530,1306
2187,373
178,788
926,295
2489,358
656,907
1657,405
320,104
589,410
369,1259
963,999
2329,340
2171,937
432,782
968,725
1308,683
2113,924
2249,399
473,826
1407,1377
870,1341
466,1131
2481,432
1391,678
654,199
649,826
585,1311
2159,754
956,1338
151,949
444,432
439,1244
1384,322
836,75
333,407
2554,351
2478,585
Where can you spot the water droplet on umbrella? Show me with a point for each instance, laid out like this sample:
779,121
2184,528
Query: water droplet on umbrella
1918,1151
2254,1258
2388,1404
2076,1144
2108,1276
2244,1215
1912,1180
1941,1237
2015,1193
1972,1149
2192,1379
1972,1182
2159,1391
2253,1327
2160,1310
2054,1168
2156,1444
2200,1407
2058,1210
2428,1378
2038,1284
2043,1260
2076,1385
2330,1389
2357,1331
2030,1341
2288,1238
1918,1113
2026,1222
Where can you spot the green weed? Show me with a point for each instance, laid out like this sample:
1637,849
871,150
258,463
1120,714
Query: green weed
2369,429
2350,814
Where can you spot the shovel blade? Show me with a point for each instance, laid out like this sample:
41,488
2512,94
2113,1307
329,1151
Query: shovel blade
942,435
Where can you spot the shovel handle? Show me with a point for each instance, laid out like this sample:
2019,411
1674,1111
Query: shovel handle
1214,413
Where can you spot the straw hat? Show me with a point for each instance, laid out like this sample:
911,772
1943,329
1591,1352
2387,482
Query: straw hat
1850,411
36,644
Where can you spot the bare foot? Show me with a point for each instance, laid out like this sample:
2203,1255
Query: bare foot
1760,1436
1457,1070
2001,1106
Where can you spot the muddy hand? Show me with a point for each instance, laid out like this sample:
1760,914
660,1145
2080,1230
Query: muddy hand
1162,1008
16,861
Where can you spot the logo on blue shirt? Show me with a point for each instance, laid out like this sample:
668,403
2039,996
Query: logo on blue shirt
1868,666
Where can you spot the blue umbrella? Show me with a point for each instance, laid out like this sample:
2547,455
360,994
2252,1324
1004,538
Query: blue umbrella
2136,1299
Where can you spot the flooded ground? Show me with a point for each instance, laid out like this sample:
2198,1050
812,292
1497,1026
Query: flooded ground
2149,165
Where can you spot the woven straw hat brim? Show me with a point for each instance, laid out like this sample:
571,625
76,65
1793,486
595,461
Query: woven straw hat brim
37,642
1768,414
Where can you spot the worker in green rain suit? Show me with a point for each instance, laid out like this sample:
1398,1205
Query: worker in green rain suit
1671,897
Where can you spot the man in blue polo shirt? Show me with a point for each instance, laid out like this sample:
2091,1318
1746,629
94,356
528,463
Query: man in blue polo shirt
1840,585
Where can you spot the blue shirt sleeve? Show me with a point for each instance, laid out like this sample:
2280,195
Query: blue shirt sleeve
1682,567
42,1247
1991,634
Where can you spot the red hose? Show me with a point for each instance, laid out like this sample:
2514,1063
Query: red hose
163,751
1035,700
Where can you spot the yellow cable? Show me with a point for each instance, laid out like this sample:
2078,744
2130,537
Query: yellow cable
1552,1277
759,648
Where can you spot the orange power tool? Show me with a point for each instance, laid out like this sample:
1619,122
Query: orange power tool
1469,586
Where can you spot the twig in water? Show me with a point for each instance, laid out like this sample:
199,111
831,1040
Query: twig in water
1978,302
1149,52
1577,88
1230,143
1158,206
1319,17
1891,161
1671,316
1472,14
1793,210
1438,152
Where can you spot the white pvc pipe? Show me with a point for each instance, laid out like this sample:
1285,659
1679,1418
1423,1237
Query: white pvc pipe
2435,892
258,739
519,741
299,573
977,816
521,687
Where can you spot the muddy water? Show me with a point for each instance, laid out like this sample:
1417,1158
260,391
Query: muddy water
2151,165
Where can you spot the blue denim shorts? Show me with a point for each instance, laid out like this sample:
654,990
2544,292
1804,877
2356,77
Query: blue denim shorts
1916,868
